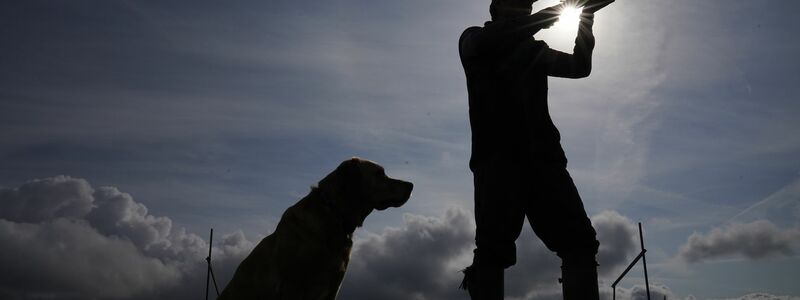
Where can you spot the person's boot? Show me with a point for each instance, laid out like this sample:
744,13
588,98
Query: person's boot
483,283
579,280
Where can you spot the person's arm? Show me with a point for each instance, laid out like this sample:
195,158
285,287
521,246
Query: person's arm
592,6
579,63
499,33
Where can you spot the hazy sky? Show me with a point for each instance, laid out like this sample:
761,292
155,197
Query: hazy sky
170,117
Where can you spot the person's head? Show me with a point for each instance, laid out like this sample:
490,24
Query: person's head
504,9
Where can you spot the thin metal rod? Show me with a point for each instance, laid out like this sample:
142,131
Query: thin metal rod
210,273
214,280
614,292
644,262
635,260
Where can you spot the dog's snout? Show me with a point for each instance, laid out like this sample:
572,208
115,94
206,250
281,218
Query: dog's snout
408,186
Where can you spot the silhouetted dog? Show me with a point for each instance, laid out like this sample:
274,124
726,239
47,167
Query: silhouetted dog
307,255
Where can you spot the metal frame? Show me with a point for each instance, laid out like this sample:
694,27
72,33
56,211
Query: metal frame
635,260
210,272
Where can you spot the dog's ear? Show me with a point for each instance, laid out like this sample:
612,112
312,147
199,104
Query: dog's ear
343,182
350,179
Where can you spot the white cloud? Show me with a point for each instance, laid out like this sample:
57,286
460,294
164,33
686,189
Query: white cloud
618,241
116,213
639,292
422,258
69,257
118,250
755,240
45,199
64,239
764,296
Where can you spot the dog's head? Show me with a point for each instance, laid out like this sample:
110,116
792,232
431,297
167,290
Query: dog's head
359,186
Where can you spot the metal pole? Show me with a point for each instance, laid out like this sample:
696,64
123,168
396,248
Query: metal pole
644,262
214,280
208,260
633,263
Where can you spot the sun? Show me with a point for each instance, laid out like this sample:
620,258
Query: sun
570,15
562,35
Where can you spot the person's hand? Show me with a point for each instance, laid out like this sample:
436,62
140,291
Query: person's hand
592,6
545,18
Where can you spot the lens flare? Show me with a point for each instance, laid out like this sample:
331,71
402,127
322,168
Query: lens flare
570,15
562,35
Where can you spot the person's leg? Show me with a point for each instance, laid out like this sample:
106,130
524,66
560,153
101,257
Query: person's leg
558,217
499,217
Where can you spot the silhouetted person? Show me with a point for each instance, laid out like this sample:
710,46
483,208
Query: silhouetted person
518,165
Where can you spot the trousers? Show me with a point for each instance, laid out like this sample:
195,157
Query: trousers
506,193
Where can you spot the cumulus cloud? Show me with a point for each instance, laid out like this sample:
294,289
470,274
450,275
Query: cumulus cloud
63,239
755,240
116,213
764,296
618,241
639,292
537,271
70,258
422,258
45,199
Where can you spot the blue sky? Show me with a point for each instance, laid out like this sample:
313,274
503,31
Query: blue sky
223,115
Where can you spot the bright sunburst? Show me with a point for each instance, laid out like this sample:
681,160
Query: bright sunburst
570,15
562,35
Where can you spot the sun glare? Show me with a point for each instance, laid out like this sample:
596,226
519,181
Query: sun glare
562,35
570,16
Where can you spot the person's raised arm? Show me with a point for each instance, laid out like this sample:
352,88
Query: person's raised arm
579,63
498,34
